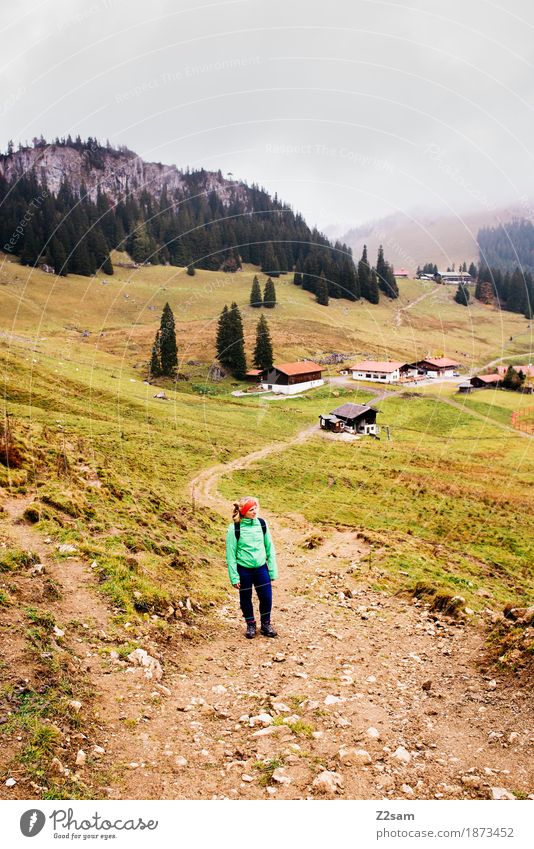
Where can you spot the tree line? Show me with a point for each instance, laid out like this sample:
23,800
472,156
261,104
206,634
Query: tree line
197,227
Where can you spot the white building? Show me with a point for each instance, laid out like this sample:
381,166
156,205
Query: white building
384,372
290,378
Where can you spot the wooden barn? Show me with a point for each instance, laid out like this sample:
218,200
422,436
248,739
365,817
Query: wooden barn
331,422
290,378
354,418
486,381
435,367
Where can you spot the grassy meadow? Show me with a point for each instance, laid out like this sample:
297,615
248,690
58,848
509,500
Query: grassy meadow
109,465
446,503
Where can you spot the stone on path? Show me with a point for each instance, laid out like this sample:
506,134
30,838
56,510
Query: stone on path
328,782
152,667
402,754
501,793
357,757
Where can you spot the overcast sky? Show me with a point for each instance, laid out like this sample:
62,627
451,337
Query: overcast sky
349,110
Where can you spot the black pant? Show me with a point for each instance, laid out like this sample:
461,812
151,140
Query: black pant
260,579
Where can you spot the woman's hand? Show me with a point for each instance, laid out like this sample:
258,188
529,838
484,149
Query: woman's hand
237,586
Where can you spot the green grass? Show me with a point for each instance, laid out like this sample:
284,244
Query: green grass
109,465
446,501
266,769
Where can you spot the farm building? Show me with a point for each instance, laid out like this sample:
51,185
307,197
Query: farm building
354,418
435,367
465,388
254,375
289,378
486,381
331,422
401,273
455,277
386,372
528,371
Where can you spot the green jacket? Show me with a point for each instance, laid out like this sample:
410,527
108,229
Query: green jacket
252,550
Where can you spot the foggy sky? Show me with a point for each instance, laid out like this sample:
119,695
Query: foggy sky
349,110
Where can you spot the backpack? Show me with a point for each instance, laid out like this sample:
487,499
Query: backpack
237,529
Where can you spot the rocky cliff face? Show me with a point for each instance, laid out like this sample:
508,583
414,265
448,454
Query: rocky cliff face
116,173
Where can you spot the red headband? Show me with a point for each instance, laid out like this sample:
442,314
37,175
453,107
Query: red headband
247,506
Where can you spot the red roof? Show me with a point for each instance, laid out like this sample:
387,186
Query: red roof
489,378
254,372
298,368
373,365
440,362
528,371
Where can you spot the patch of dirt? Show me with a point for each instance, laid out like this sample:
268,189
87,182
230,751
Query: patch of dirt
351,669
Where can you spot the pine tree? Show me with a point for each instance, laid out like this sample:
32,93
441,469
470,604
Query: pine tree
373,296
269,263
255,294
322,291
297,278
57,257
381,270
269,294
462,295
238,362
191,269
263,352
393,289
167,343
472,270
154,369
223,340
364,275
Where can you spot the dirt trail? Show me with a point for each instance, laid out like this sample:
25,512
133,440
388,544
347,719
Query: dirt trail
400,310
372,689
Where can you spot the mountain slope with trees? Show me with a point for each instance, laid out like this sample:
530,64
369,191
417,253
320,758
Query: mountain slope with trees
68,204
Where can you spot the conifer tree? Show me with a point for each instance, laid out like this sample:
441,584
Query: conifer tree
58,257
322,291
238,361
364,275
263,352
381,269
269,263
191,270
462,295
297,278
255,293
269,294
167,343
373,296
154,369
393,289
223,341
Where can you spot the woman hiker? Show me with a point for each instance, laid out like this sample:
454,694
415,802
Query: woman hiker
251,560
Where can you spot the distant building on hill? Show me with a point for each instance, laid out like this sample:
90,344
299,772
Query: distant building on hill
528,370
454,277
486,381
401,272
435,367
290,378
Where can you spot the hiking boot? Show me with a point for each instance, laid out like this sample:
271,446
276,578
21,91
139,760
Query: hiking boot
268,631
250,633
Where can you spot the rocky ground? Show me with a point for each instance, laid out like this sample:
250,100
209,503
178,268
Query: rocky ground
361,695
